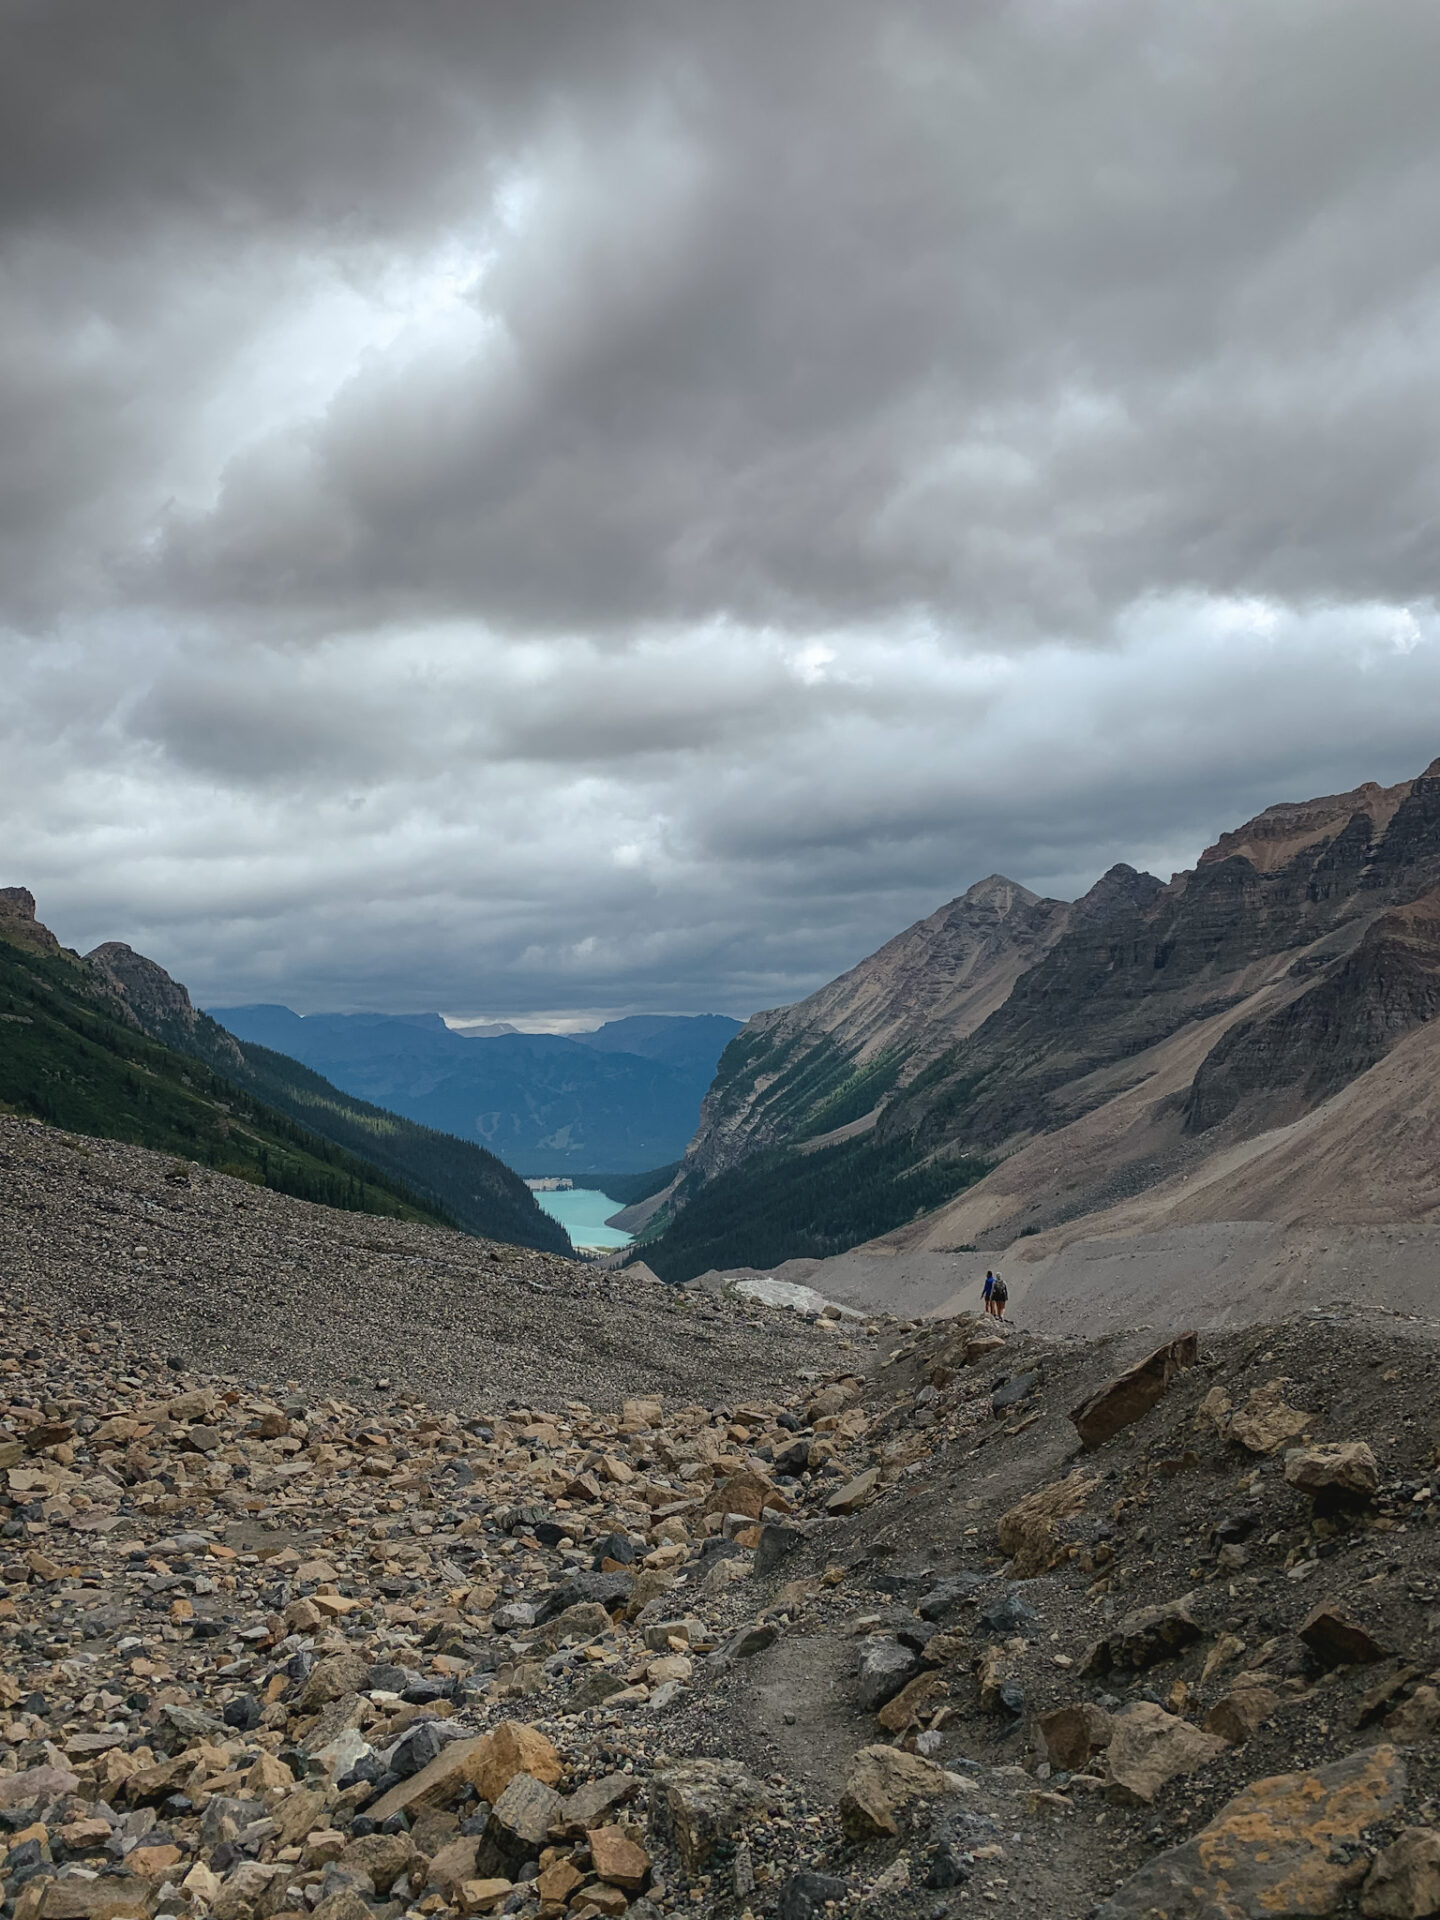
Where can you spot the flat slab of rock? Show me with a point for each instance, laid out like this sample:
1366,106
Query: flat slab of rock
1127,1398
1277,1848
855,1493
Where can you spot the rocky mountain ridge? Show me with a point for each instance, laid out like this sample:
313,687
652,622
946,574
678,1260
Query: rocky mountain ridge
1164,1023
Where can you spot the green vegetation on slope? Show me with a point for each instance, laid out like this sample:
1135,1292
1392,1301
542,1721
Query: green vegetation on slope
478,1191
66,1057
787,1206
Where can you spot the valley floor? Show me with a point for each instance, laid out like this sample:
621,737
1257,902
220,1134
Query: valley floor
619,1601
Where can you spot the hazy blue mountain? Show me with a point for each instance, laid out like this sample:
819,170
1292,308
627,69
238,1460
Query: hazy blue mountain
621,1100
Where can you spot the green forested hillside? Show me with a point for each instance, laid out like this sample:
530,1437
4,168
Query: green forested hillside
69,1057
789,1206
472,1186
460,1179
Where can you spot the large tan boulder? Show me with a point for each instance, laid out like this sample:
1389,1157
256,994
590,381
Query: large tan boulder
508,1749
882,1785
1149,1747
1267,1421
1343,1474
1029,1532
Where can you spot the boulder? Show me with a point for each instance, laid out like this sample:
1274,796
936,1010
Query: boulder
345,1903
510,1748
521,1818
486,1895
618,1859
1267,1422
1336,1640
1069,1737
1404,1883
883,1784
34,1784
1343,1475
1282,1846
609,1590
488,1763
806,1895
452,1863
855,1493
944,1601
332,1679
1241,1713
110,1898
591,1805
384,1856
1127,1398
697,1805
1149,1747
884,1668
1029,1532
1151,1634
914,1702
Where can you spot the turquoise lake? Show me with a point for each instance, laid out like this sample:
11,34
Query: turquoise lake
582,1213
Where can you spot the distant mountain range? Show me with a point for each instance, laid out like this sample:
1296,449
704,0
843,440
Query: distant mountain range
622,1099
110,1045
1014,1063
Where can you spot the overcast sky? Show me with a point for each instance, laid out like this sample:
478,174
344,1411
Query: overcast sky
546,510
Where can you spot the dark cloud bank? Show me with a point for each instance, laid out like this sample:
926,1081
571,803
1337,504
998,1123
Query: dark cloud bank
545,509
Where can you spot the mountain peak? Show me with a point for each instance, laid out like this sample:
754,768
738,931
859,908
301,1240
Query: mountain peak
1119,890
18,924
995,890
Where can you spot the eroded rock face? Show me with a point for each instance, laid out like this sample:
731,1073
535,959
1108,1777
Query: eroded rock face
1280,1847
1129,1397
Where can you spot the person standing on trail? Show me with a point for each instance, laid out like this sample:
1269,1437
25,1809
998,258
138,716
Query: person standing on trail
989,1292
999,1294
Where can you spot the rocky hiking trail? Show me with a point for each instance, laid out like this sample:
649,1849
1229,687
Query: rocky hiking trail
613,1600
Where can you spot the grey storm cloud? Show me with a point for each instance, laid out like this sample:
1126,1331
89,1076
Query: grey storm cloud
537,509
